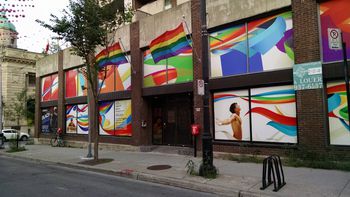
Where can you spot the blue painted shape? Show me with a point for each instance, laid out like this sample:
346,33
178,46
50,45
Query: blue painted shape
333,102
255,63
233,63
285,129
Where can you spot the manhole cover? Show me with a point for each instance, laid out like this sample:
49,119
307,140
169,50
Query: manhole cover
159,167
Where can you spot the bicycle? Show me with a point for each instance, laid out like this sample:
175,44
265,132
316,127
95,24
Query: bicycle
57,141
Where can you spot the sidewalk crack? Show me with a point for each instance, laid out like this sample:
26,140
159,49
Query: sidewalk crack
347,183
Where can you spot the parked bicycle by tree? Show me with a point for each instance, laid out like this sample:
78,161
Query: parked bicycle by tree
57,140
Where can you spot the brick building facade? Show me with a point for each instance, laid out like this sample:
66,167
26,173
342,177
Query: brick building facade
254,46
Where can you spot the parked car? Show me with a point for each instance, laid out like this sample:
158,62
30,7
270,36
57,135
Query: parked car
12,134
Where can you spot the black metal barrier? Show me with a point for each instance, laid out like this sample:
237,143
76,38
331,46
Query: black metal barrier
272,164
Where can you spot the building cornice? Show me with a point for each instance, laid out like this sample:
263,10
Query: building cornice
18,60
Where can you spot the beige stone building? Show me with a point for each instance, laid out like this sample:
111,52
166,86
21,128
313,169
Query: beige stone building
17,68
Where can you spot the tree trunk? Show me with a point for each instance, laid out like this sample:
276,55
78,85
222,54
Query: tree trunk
96,128
93,102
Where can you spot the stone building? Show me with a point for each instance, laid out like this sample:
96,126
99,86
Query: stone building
17,75
254,47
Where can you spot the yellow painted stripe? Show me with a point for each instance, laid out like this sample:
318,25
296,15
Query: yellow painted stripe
168,42
126,75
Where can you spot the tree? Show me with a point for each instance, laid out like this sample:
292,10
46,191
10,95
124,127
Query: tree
86,25
16,110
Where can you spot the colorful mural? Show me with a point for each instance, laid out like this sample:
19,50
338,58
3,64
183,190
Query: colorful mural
49,120
231,125
338,114
77,119
273,113
116,78
76,82
334,14
83,119
178,69
115,118
49,88
269,43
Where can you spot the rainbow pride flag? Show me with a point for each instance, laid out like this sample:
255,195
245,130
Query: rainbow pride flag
169,44
113,55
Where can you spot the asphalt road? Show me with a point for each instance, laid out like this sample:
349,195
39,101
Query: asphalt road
33,179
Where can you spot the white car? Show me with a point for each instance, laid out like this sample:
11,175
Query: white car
12,134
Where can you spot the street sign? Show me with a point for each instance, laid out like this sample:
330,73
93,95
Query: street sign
200,87
307,76
334,39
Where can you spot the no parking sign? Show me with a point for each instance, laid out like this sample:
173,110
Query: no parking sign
334,39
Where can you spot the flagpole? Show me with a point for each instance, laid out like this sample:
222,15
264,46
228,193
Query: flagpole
122,45
188,30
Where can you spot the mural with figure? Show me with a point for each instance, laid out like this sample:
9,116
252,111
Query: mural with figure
49,120
257,46
115,118
232,121
273,114
49,88
178,69
334,14
338,117
71,119
77,119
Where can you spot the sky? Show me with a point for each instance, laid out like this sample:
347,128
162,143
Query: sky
31,35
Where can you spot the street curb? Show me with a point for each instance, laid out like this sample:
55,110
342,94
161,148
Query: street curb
175,182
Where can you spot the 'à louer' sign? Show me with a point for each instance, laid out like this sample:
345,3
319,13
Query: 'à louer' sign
308,76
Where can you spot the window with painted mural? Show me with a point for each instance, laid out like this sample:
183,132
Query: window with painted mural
49,120
49,88
177,69
338,117
115,118
115,77
77,119
334,14
76,82
256,46
259,115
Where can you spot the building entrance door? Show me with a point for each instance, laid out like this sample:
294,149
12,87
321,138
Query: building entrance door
172,118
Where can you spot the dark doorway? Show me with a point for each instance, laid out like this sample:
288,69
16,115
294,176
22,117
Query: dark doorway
172,118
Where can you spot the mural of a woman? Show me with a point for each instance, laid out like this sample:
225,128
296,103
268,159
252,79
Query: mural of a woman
235,121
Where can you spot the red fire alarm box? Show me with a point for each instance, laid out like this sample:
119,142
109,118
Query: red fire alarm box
195,129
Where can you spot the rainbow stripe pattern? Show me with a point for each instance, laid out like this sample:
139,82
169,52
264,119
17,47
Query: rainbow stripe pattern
338,116
115,118
113,55
169,44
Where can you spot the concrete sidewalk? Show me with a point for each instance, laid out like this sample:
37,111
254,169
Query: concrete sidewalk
235,179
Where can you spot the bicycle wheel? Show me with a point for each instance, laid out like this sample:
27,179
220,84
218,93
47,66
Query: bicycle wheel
60,143
53,142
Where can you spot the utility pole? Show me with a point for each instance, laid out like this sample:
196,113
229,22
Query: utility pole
207,166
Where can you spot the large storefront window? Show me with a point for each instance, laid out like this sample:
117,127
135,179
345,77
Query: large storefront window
115,118
177,69
76,82
334,14
257,46
270,111
338,116
77,119
49,88
49,120
115,78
